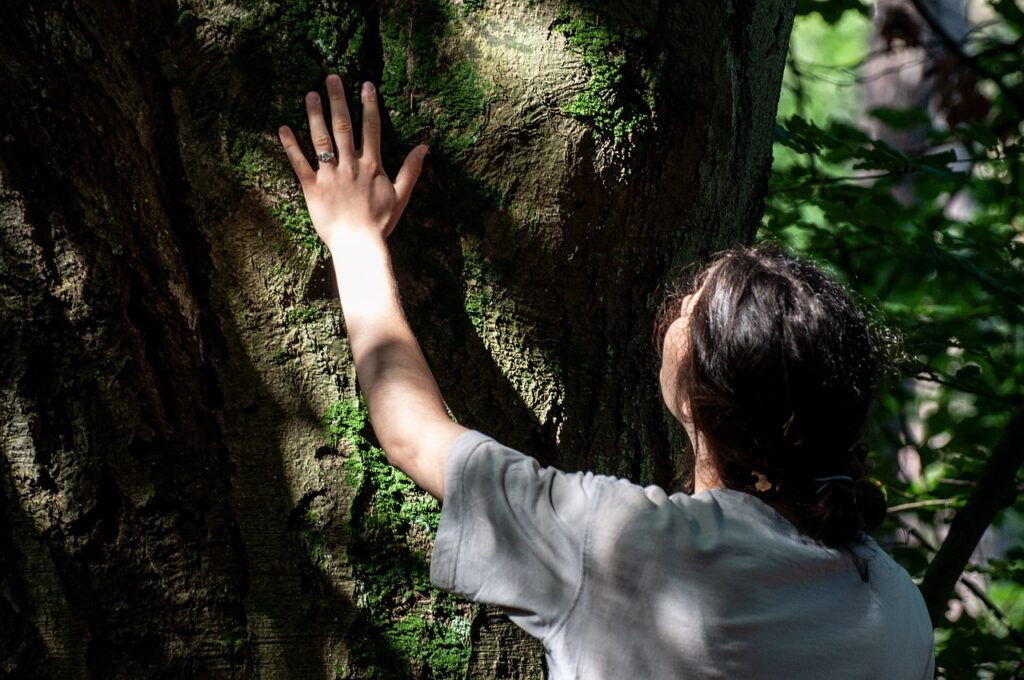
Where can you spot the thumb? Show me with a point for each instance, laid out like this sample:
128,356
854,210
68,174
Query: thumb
408,175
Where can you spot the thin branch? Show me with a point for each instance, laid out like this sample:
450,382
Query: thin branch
927,45
837,179
970,585
992,607
860,80
949,481
954,46
996,490
800,94
926,375
860,63
930,503
915,533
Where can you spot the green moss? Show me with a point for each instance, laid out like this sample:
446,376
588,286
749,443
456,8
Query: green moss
185,17
470,6
281,356
618,99
278,50
233,639
480,277
295,41
431,95
301,314
258,164
408,629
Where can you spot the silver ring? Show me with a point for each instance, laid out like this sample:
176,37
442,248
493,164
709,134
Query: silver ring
325,156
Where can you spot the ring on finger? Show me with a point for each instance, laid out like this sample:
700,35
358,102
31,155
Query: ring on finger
325,156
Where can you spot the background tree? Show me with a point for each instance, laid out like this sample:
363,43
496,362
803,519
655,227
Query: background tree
876,203
189,486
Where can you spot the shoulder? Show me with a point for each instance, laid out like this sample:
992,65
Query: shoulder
476,459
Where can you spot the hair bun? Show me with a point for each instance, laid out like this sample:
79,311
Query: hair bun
871,504
842,509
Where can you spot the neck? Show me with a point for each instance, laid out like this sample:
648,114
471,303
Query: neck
705,478
704,474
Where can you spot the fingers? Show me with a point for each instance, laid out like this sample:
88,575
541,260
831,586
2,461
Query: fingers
371,124
299,163
317,128
408,175
341,121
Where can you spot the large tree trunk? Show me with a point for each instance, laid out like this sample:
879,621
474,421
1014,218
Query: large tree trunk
172,505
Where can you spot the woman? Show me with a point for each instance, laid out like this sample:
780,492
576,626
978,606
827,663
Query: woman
764,571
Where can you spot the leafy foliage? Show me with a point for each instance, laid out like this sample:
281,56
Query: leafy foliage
934,243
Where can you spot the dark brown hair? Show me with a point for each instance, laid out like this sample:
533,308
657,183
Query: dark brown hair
778,375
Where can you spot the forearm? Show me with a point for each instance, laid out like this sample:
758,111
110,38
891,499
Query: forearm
354,206
405,404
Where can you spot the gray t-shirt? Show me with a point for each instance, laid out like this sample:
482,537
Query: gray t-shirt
622,581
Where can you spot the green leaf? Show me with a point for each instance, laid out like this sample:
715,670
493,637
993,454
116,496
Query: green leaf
1011,11
831,10
969,372
901,119
881,156
980,134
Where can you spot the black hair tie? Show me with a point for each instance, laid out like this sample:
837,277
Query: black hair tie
824,482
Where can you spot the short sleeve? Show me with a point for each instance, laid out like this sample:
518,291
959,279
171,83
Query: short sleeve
511,532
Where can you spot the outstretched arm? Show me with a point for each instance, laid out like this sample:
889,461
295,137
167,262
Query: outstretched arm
354,207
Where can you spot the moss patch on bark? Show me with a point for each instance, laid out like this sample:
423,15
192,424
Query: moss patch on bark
432,94
406,628
622,66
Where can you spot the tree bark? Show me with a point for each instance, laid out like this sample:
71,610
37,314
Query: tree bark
171,503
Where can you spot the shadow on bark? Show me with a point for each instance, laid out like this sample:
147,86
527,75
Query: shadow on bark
156,485
125,501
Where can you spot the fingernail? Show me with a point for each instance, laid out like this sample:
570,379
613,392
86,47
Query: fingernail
367,87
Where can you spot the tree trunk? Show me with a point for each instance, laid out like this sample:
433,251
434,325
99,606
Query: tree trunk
189,489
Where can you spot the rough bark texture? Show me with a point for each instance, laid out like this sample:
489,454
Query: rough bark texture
172,504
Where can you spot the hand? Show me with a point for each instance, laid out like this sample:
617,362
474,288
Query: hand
351,192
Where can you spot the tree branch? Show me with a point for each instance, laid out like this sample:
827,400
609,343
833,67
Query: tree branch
929,503
970,585
838,179
928,375
996,611
996,490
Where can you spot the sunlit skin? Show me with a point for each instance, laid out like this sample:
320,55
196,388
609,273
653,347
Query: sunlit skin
674,348
354,207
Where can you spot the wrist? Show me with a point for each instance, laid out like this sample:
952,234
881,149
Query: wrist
344,239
